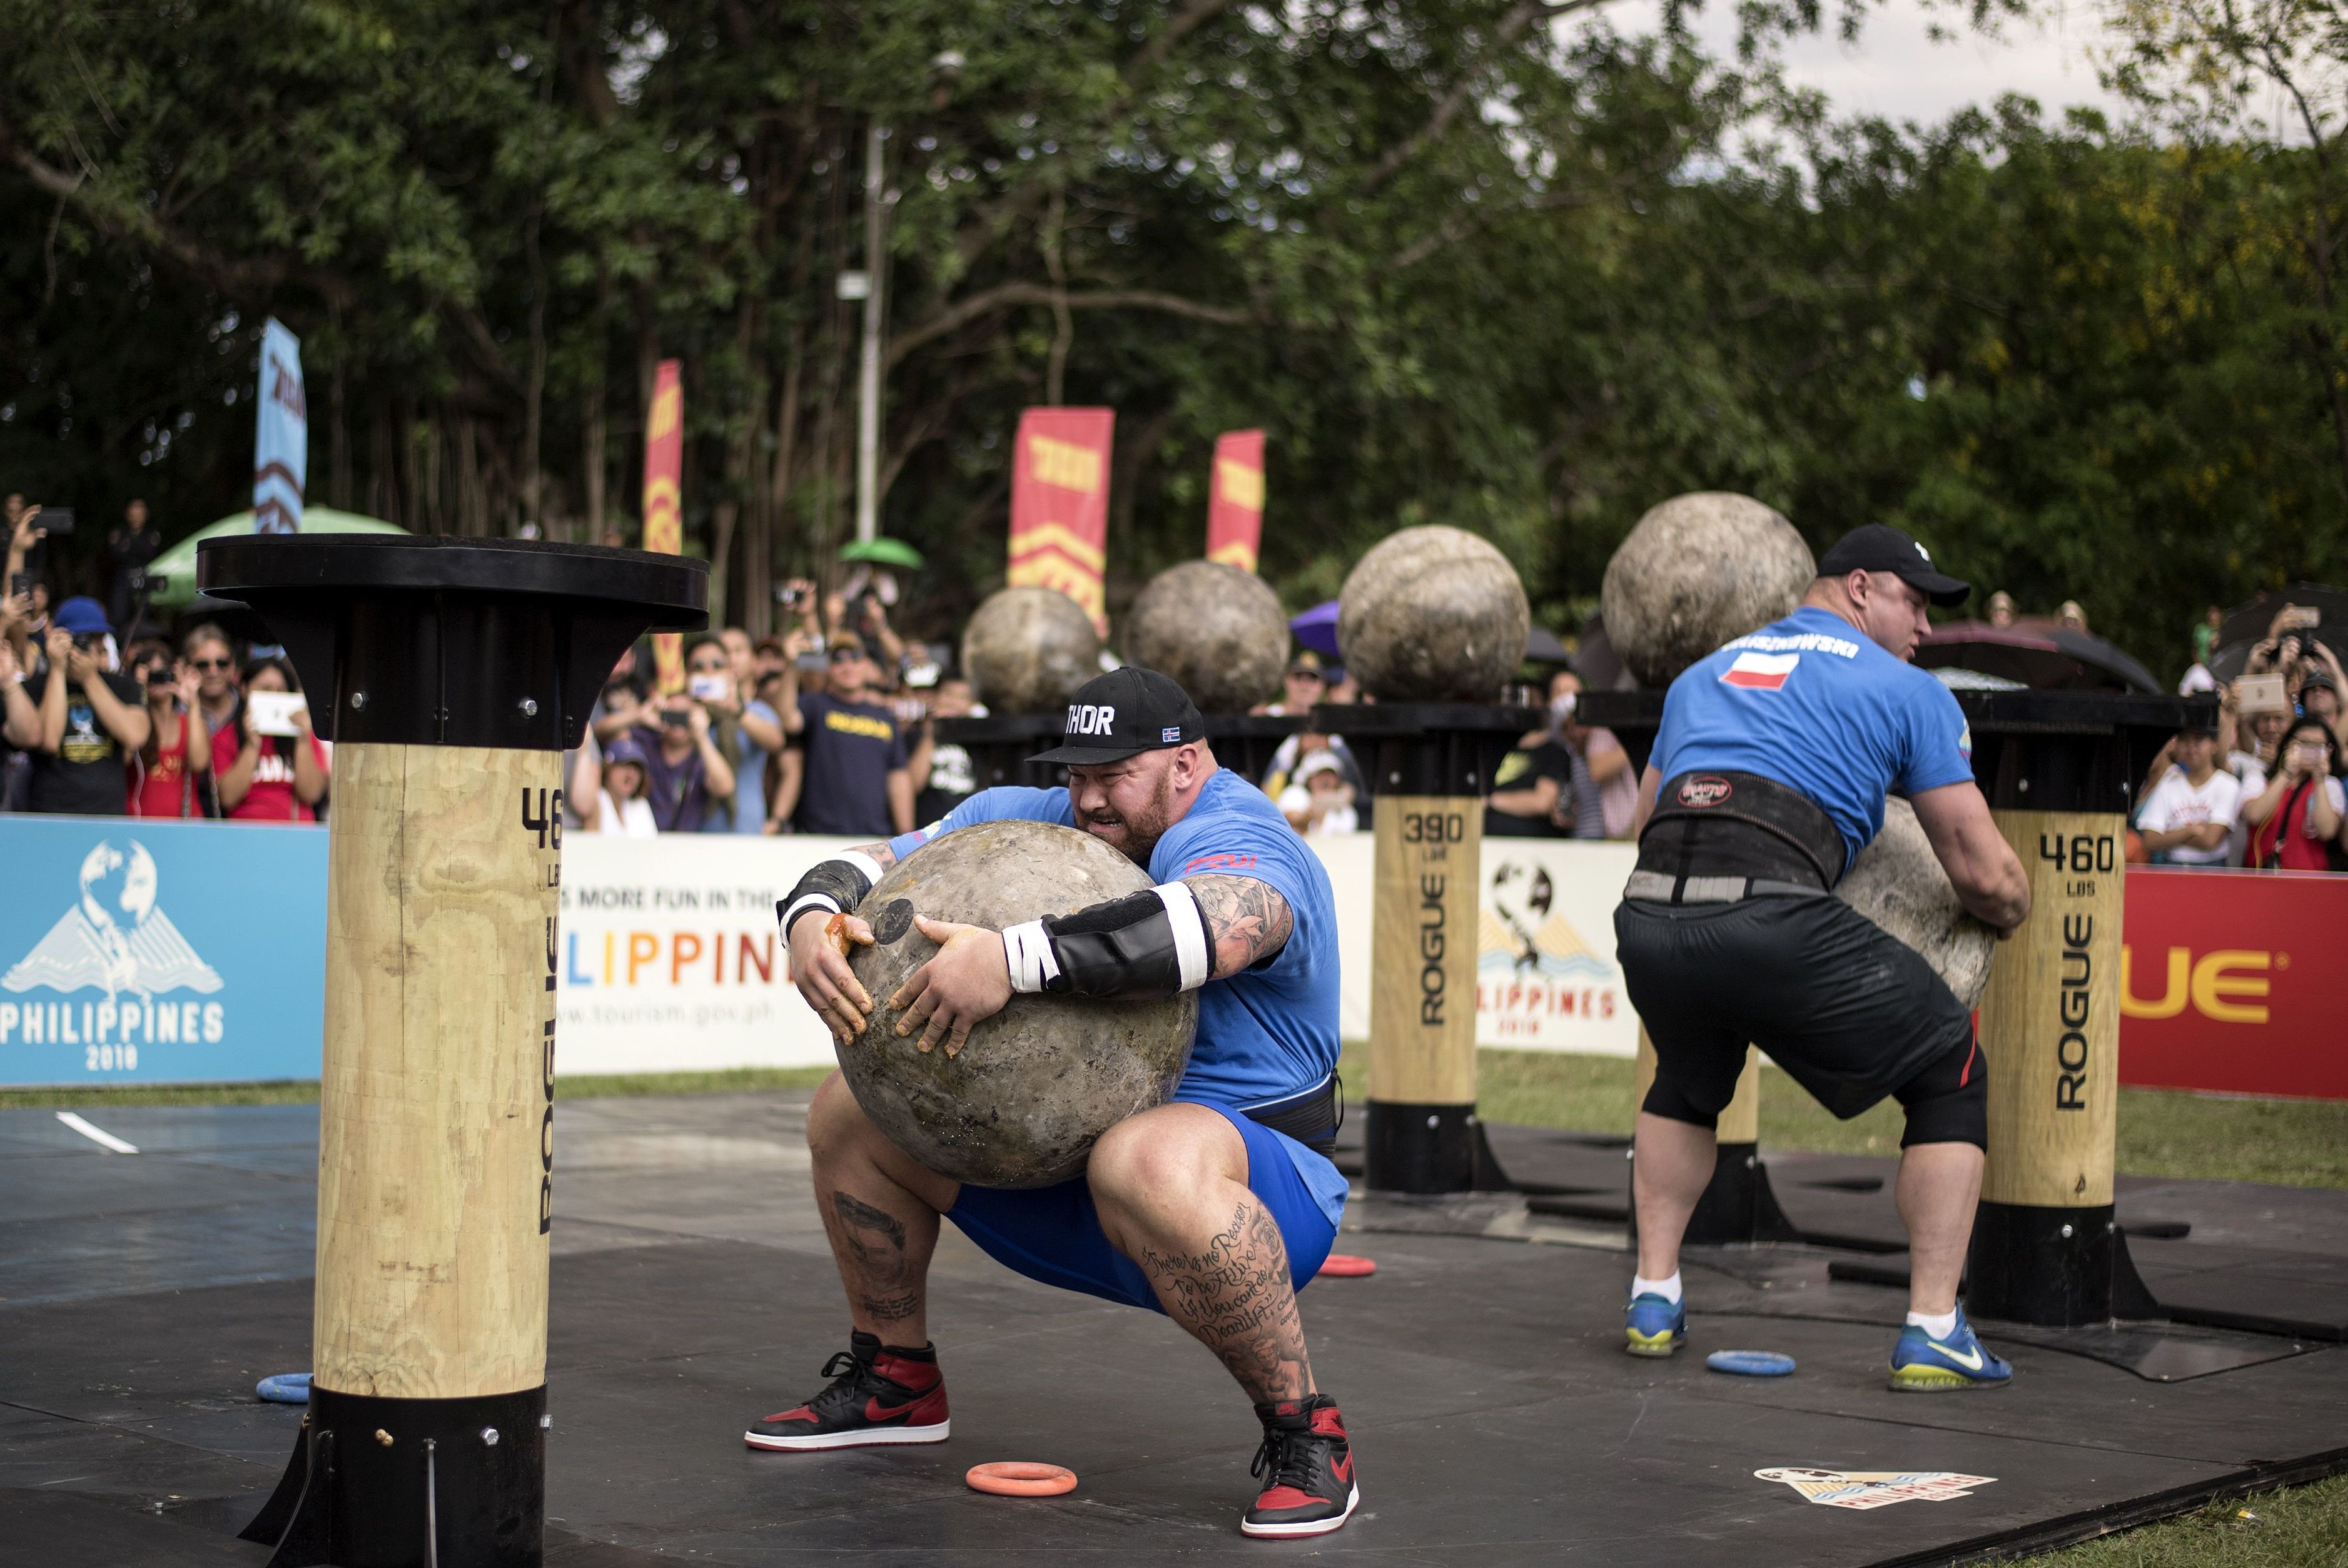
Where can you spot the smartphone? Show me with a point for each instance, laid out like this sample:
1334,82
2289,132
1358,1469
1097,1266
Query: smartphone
706,688
2307,759
2261,694
57,520
20,584
2298,618
273,711
786,596
673,719
812,663
159,675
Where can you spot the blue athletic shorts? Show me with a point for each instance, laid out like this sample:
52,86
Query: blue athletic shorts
1054,1235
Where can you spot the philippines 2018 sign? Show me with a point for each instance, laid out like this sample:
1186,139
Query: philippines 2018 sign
156,951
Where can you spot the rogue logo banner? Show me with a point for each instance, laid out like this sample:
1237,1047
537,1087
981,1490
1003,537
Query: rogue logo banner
1059,504
1875,1489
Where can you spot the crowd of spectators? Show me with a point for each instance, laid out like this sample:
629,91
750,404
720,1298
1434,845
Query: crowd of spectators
2263,790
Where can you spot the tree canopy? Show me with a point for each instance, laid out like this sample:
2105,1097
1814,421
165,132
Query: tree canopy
1463,262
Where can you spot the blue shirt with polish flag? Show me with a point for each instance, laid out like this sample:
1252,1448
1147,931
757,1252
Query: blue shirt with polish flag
1811,701
1268,1032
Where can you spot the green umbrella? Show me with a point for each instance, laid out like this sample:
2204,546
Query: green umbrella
883,552
177,565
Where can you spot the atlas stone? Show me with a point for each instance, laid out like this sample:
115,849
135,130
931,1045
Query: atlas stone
1433,614
1697,571
1897,881
1026,650
1216,630
1022,1101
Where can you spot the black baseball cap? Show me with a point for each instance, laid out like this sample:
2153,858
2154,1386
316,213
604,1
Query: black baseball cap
1124,713
1880,547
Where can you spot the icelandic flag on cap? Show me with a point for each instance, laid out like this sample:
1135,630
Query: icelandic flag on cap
1760,672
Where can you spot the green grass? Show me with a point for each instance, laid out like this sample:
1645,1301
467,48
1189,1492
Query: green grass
2162,1132
2305,1527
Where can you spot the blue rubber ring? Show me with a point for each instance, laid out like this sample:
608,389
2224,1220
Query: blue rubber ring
286,1389
1751,1363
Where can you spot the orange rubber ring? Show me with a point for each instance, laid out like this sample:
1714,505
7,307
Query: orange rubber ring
1344,1265
1018,1478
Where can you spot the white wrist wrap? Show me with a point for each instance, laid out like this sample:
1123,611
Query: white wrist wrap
1028,950
1189,932
864,864
807,901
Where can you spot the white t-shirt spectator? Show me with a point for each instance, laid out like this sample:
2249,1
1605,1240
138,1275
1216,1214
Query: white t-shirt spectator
2176,803
629,819
2251,775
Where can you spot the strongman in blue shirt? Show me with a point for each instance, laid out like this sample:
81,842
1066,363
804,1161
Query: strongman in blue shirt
1214,1209
1768,777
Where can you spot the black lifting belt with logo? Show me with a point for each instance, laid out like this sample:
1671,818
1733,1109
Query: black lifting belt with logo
1724,824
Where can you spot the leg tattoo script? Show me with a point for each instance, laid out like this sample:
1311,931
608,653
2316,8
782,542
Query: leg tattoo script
875,1243
1235,1298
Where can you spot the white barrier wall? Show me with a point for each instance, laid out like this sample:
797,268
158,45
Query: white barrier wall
671,961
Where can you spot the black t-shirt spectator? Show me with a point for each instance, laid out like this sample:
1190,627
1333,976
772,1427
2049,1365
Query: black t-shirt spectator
953,779
1522,769
851,749
86,776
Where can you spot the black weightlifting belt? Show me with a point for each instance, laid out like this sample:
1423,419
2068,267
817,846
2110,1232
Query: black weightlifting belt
1312,1115
1718,836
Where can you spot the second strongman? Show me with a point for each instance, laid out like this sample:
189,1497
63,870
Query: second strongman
1769,778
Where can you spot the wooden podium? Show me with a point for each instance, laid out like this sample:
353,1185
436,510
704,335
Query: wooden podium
1430,765
451,675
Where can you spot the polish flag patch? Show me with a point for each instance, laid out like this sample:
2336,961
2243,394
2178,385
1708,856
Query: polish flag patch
1760,672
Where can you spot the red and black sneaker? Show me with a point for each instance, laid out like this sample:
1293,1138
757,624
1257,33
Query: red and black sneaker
878,1394
1307,1466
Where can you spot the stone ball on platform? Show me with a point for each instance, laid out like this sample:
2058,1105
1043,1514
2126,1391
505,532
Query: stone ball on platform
1216,631
1022,1101
1697,571
1897,881
1433,614
1026,650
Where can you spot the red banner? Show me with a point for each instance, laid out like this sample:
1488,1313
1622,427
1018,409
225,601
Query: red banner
1059,504
2232,981
1235,501
663,496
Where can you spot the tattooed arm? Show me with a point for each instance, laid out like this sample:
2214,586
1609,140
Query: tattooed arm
1248,923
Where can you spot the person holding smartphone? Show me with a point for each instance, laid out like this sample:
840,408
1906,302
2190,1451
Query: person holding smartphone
2295,821
747,730
179,750
684,769
281,769
92,718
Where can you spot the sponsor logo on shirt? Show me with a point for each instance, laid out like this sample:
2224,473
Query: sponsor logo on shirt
860,724
1704,790
1760,672
1800,643
1091,718
1220,864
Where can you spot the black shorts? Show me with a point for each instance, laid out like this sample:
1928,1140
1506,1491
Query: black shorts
1848,1009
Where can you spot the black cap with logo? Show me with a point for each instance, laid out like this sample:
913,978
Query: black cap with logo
1123,714
1880,547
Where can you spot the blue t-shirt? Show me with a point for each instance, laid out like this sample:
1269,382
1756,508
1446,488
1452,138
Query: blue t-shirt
1810,702
1268,1032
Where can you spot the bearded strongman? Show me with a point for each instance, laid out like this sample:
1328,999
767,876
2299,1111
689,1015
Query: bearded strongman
1213,1208
1769,778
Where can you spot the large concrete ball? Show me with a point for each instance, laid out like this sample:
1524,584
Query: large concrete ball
1026,650
1216,630
1897,881
1433,614
1694,572
1022,1103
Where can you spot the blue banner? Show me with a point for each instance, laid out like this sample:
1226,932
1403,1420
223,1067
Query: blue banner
160,951
281,442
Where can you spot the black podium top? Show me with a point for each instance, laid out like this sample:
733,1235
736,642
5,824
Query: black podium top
427,640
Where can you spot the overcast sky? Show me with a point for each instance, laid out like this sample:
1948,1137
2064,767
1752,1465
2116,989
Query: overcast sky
1896,71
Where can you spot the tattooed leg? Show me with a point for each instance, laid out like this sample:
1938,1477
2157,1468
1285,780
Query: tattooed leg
1170,1186
880,1211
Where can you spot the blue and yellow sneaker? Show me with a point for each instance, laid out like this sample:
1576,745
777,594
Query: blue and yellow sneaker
1653,1327
1923,1365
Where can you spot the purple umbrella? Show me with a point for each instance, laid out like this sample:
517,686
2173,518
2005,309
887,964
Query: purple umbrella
1317,629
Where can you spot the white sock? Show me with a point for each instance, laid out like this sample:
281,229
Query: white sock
1669,1289
1939,1328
